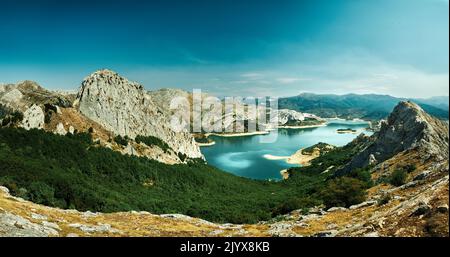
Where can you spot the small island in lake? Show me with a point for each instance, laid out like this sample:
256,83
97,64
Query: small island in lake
346,131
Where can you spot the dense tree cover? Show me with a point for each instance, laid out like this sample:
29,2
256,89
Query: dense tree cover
323,147
73,172
333,190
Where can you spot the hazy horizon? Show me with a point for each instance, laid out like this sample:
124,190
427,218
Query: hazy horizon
246,48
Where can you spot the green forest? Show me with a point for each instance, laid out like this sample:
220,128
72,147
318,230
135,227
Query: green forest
74,172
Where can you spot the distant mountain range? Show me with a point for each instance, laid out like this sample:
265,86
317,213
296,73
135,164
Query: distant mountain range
350,106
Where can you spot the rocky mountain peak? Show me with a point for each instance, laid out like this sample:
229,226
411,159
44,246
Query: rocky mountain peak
108,78
127,109
408,128
405,111
29,85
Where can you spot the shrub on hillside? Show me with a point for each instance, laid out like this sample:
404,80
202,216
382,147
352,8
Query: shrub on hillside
343,192
294,204
363,175
384,199
398,178
121,140
410,168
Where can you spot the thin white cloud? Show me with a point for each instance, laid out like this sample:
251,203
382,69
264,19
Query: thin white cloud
253,75
289,80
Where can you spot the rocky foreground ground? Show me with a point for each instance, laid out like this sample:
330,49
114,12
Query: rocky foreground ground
418,208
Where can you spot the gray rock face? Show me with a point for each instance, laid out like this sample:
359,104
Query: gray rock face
15,226
126,109
422,175
330,233
99,228
286,116
407,128
336,209
33,117
12,96
60,130
363,204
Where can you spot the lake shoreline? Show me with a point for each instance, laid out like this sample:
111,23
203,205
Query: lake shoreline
296,158
265,132
206,144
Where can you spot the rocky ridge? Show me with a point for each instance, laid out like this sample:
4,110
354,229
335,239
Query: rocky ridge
408,129
416,209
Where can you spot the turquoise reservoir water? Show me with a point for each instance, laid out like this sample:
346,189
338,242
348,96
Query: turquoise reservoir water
244,156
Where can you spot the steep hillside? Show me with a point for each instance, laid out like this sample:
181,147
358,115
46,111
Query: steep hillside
408,128
28,105
126,109
370,107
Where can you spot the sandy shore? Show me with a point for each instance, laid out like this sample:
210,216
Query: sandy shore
274,157
303,127
206,144
296,158
243,134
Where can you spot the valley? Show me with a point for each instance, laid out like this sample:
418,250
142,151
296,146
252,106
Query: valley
107,156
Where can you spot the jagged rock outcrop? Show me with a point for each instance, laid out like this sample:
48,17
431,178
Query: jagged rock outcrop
60,130
408,128
12,96
126,108
23,95
33,117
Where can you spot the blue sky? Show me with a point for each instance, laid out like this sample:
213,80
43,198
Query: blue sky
276,48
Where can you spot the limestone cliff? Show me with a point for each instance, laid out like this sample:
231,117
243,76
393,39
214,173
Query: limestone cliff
126,109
